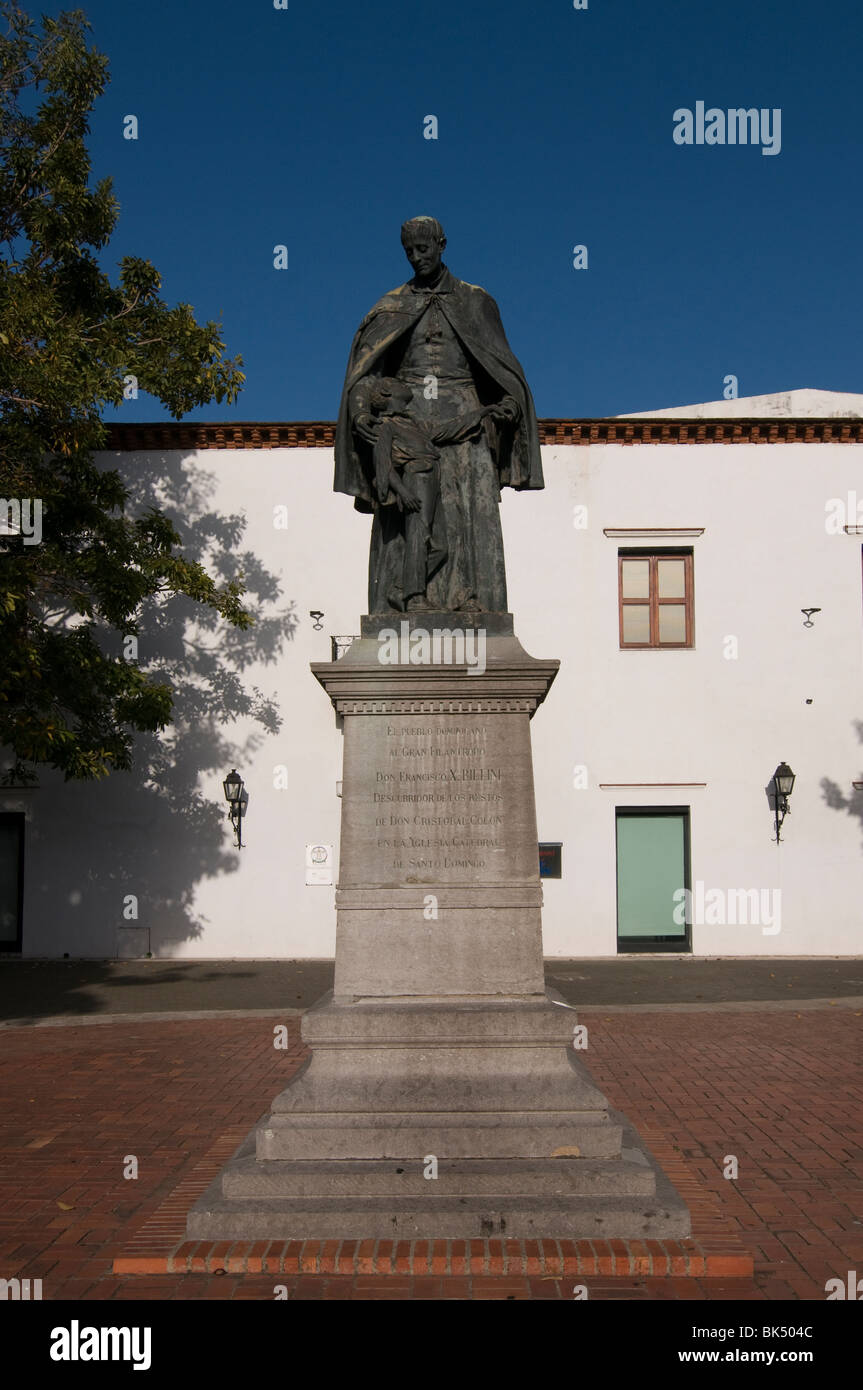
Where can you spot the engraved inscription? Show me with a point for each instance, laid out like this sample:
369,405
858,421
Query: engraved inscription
450,825
438,799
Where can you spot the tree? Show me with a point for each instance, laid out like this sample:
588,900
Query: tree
69,340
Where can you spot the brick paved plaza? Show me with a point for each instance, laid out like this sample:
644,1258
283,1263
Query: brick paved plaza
779,1088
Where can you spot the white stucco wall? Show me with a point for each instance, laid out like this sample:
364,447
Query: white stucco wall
628,716
693,716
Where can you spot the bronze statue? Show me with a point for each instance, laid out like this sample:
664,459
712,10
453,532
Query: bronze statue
475,432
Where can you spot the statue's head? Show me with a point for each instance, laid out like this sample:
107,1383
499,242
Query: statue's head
423,239
388,396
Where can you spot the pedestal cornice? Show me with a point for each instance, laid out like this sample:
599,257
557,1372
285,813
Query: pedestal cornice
511,682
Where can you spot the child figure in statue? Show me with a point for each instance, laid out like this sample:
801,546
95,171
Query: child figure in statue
407,476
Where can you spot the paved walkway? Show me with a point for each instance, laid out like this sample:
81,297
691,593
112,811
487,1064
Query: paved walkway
35,991
779,1088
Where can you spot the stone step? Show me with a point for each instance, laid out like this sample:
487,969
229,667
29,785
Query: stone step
215,1217
550,1179
447,1135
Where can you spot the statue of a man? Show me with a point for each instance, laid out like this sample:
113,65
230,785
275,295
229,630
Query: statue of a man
443,339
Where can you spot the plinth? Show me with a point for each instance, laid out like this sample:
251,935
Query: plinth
443,1096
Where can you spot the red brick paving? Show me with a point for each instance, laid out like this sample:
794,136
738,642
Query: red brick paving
782,1093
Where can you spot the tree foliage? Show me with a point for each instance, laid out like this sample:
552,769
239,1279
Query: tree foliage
69,338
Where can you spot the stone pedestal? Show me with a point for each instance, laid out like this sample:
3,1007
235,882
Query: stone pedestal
439,1050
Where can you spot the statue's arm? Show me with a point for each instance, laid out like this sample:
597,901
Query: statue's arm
374,329
490,313
362,420
507,408
465,426
383,456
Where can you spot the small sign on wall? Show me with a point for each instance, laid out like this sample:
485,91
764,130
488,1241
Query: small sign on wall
550,855
319,864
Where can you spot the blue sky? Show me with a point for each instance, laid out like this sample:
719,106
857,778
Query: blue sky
304,127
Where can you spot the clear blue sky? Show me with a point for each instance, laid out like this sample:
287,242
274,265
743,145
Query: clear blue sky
305,127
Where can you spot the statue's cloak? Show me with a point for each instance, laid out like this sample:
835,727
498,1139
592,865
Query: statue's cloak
475,319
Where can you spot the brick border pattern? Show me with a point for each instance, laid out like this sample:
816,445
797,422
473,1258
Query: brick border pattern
320,434
552,1258
159,1245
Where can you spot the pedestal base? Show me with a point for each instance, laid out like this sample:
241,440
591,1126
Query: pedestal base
421,1117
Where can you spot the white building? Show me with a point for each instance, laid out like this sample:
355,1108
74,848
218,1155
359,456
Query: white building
737,643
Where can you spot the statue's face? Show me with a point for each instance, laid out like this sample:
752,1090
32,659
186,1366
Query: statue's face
424,253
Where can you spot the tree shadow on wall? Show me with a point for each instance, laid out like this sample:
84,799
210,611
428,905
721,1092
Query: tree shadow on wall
152,833
836,798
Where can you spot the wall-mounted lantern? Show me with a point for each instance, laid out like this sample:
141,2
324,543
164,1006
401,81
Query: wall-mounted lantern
317,615
233,788
807,614
783,786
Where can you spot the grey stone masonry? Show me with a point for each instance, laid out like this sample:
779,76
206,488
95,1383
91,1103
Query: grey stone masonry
443,1096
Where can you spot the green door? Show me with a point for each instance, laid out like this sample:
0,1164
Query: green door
652,866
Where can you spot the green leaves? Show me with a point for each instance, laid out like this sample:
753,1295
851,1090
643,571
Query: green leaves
69,336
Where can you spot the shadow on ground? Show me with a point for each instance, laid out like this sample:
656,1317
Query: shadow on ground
38,989
33,990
